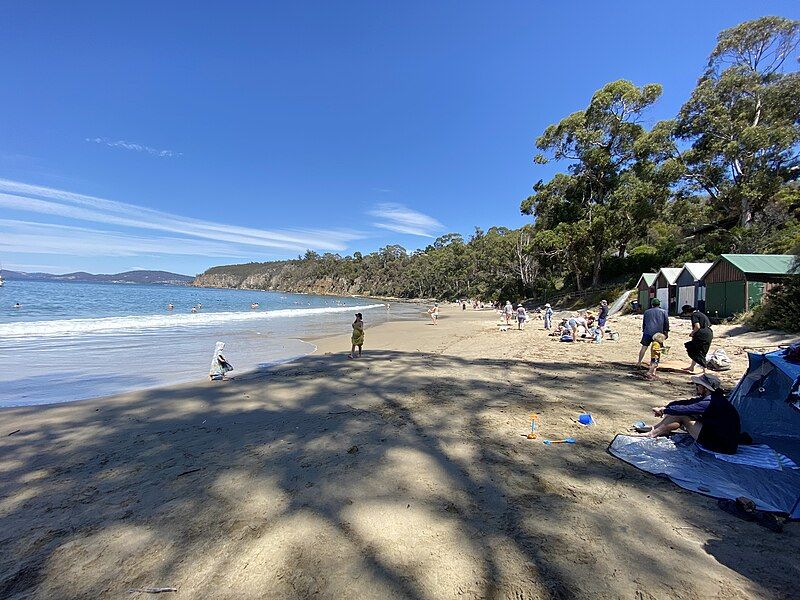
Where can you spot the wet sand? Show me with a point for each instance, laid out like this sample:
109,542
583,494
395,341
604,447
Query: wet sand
403,474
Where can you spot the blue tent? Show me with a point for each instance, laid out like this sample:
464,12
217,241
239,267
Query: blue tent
768,400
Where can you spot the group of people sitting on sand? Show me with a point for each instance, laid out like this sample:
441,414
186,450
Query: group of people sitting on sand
585,326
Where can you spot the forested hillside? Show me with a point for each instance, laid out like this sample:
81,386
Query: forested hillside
721,176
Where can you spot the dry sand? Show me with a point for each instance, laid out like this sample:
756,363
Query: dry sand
403,474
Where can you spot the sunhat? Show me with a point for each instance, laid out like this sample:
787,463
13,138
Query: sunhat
710,382
547,306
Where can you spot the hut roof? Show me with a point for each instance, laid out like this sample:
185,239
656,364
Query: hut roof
649,279
671,274
761,264
697,270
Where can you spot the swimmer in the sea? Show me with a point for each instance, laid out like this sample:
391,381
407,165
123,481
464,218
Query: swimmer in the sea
18,305
194,309
254,305
170,306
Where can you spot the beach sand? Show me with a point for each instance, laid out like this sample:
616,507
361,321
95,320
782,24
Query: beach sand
403,474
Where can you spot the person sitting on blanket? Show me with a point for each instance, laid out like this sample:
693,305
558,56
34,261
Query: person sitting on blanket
709,418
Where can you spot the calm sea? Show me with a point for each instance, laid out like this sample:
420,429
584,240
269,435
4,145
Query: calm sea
71,341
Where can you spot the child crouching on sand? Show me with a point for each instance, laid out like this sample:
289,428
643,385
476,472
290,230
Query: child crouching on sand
656,348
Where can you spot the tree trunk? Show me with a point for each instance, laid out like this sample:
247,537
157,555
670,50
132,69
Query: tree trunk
598,263
746,216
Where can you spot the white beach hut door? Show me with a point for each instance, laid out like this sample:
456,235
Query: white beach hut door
685,296
663,295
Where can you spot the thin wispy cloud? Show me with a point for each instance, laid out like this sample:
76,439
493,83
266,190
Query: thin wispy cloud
240,240
134,147
401,219
45,238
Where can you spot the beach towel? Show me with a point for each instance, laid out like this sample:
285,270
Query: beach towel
759,455
682,461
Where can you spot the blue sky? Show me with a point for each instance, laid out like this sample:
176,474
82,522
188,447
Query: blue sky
180,135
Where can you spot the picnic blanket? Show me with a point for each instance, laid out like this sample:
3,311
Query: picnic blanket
681,460
759,455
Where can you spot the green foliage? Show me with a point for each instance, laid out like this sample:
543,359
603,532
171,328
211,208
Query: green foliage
489,266
720,177
614,180
780,309
743,119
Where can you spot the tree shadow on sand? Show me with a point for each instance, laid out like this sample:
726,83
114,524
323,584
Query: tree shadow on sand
371,478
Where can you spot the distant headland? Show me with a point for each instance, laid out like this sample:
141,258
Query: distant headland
129,277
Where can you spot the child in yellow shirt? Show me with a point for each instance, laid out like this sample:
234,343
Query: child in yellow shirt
656,348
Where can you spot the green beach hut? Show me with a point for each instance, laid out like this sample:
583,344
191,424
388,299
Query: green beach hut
646,289
737,282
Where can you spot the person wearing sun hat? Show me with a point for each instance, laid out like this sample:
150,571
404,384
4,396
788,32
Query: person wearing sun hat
709,418
548,316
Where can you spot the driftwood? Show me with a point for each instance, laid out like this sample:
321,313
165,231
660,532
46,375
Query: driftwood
189,471
15,431
154,590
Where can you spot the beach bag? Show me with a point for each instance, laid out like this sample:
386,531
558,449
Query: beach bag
719,361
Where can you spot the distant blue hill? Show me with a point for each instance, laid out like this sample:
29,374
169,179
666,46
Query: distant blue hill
140,277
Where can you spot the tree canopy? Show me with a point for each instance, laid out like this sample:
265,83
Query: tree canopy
630,194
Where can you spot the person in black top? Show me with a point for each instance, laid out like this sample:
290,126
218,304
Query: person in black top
709,418
697,348
602,317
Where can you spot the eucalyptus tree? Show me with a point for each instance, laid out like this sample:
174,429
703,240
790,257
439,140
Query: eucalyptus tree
742,121
600,204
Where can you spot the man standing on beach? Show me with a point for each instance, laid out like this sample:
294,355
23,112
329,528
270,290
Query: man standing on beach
603,316
655,320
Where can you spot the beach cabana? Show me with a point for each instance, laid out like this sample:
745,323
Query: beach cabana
666,290
646,289
690,285
737,282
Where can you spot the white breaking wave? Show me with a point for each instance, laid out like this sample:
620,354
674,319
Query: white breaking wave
144,322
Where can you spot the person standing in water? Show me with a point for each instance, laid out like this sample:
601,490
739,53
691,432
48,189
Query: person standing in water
357,338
